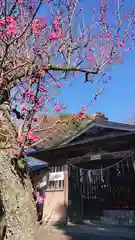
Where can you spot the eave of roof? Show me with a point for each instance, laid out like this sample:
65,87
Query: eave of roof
100,123
35,164
70,147
129,130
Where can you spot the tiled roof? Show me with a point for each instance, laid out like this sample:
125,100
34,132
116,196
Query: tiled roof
53,130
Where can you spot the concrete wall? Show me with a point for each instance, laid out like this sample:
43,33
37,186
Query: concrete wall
119,217
116,218
54,208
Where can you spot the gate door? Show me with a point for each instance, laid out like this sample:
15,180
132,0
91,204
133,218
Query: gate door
75,209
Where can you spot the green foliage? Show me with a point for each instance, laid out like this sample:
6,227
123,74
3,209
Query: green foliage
65,115
72,122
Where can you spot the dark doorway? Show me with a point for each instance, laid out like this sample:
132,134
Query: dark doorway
102,185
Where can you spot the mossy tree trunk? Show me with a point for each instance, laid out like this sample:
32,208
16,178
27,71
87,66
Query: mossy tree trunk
15,186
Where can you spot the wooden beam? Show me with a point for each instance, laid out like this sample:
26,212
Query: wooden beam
106,145
96,139
104,156
66,191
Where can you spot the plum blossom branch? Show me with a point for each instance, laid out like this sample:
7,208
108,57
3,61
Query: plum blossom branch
74,116
25,29
56,48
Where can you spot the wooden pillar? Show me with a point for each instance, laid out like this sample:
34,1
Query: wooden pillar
66,191
133,157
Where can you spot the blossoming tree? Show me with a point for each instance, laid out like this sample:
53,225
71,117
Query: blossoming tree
37,56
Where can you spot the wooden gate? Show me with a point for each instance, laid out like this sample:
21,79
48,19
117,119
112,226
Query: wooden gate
75,203
91,191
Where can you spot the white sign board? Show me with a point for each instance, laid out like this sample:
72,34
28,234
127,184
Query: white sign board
56,176
96,157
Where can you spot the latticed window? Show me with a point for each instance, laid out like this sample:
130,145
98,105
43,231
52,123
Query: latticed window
56,178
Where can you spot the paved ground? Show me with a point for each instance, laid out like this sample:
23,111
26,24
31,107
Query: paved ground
85,233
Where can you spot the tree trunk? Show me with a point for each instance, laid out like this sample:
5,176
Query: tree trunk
17,201
15,188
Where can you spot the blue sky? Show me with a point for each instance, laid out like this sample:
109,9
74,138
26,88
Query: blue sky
118,99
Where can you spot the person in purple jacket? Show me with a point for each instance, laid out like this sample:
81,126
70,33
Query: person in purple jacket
40,205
